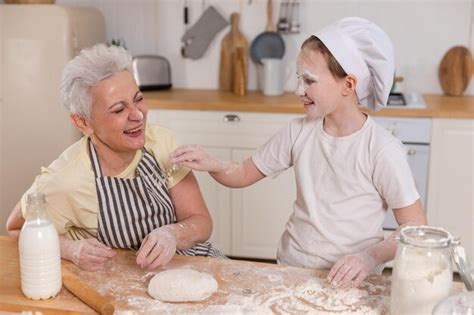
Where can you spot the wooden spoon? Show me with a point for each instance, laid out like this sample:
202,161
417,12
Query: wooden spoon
455,70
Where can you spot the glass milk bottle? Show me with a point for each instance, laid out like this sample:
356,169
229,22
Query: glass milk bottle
40,259
422,271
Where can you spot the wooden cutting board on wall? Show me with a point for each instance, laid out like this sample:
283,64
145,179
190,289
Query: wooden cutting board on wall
234,41
455,70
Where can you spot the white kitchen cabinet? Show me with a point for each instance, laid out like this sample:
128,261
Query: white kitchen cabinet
248,222
451,181
259,213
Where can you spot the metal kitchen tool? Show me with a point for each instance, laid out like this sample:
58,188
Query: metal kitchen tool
295,17
462,262
268,44
283,24
186,22
151,72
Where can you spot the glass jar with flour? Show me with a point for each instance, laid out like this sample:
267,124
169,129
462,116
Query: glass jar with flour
422,271
40,258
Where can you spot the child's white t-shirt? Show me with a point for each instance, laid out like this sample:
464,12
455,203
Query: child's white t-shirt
344,186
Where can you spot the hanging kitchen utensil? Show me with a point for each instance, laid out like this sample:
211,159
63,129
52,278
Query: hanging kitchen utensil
295,17
268,44
283,24
455,70
197,39
233,41
186,22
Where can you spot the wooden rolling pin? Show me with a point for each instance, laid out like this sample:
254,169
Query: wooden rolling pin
86,293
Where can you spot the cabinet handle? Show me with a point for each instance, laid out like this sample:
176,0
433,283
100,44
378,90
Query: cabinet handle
231,118
411,152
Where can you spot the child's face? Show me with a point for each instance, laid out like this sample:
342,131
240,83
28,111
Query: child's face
319,91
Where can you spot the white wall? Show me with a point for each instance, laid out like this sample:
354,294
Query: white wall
422,31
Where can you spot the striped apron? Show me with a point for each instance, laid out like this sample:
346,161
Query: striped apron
130,208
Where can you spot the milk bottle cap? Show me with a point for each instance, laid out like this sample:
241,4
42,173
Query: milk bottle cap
35,198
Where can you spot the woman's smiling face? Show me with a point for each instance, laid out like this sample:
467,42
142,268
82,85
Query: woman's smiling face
317,88
118,115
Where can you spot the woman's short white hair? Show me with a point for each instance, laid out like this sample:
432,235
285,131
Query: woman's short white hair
86,70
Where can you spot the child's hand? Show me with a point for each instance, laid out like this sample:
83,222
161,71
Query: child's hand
194,157
351,270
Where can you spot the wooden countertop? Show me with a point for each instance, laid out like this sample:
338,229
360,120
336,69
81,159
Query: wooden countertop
438,106
11,298
244,287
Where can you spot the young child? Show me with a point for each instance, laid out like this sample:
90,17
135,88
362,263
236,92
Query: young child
348,169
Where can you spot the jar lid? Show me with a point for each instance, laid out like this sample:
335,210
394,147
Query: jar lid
425,236
35,198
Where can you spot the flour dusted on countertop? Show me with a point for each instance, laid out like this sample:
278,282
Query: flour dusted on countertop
244,288
330,300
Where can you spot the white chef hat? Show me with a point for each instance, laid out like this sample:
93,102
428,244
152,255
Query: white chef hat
364,50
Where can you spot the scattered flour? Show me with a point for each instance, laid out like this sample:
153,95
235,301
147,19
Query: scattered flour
244,289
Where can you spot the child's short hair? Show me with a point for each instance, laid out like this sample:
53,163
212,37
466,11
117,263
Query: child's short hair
313,43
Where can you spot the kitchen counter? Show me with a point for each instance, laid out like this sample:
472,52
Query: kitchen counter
11,298
243,287
438,106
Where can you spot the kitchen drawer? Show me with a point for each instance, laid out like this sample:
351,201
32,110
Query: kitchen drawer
412,130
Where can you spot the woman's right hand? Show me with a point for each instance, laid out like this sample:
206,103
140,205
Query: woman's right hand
88,254
194,157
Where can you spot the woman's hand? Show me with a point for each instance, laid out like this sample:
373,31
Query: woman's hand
88,254
351,270
157,248
194,157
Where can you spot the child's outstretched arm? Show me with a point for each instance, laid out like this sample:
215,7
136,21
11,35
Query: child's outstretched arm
228,173
353,269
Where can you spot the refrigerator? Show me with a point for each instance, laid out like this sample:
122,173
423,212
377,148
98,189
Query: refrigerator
36,41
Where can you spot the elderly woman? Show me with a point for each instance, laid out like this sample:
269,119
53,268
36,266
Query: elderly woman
115,187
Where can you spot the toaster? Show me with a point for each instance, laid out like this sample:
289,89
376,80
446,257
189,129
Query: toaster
151,72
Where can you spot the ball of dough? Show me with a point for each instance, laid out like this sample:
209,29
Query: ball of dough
182,285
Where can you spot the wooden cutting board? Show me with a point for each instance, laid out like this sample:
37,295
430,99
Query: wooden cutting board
230,43
455,70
